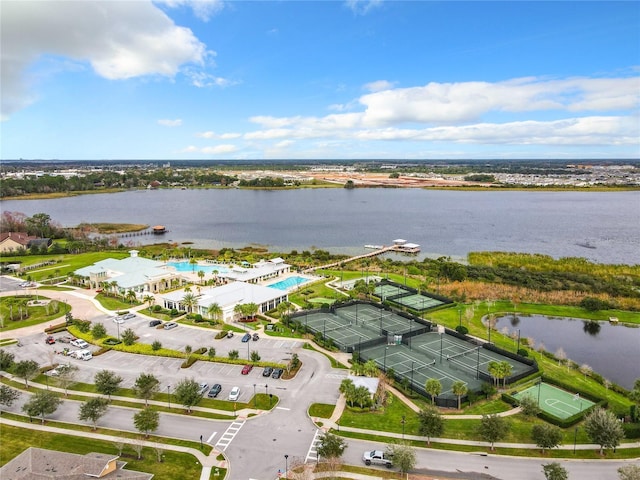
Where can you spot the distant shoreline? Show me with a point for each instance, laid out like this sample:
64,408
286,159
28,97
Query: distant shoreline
475,188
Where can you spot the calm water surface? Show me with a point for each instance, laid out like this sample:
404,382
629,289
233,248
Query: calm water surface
611,350
340,220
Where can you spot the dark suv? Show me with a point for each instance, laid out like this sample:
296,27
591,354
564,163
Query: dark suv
277,373
267,371
246,338
154,323
216,388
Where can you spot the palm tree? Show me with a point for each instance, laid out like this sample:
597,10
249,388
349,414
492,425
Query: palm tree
189,301
214,311
251,309
459,388
150,299
193,262
114,287
131,296
201,276
239,310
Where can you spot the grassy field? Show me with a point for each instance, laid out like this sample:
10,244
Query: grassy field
65,263
37,314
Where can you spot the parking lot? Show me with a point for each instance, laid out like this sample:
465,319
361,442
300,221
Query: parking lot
168,370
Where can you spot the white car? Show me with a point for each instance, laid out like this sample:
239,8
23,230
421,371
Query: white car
234,394
78,342
119,320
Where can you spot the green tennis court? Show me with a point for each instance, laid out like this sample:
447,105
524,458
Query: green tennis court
555,401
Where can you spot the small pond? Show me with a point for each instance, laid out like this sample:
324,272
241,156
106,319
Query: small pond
611,350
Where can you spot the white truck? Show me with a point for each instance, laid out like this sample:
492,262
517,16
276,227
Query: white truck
82,354
377,457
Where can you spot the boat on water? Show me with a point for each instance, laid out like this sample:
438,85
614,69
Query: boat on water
374,247
586,244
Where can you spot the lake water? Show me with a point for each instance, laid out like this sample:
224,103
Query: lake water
611,350
443,222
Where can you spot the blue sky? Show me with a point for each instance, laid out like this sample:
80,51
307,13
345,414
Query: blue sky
182,79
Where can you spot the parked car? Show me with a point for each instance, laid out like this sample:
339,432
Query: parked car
170,325
277,373
246,338
234,394
255,337
50,340
267,371
129,316
78,342
66,339
118,319
229,334
154,323
246,369
216,388
202,388
377,457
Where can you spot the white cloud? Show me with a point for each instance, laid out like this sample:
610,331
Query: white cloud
170,123
442,103
203,9
362,7
202,79
119,40
219,149
213,135
378,86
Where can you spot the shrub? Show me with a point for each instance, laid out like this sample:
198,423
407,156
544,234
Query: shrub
111,341
233,354
200,351
197,317
211,352
155,346
523,352
462,329
221,334
592,304
83,325
173,312
157,308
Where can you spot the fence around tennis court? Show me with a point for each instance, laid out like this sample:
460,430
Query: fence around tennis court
377,328
409,297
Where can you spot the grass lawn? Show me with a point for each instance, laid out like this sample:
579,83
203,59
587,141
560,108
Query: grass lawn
65,263
321,410
315,290
175,464
115,304
37,314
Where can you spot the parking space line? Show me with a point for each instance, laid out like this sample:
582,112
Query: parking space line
211,437
312,454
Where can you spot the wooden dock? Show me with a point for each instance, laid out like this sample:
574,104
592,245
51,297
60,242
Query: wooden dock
391,248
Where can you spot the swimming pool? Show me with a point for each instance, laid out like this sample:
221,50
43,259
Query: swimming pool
288,283
187,267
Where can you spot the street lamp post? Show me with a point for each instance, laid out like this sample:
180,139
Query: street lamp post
441,332
402,427
247,351
286,465
518,349
539,384
460,316
412,377
118,325
169,396
575,439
